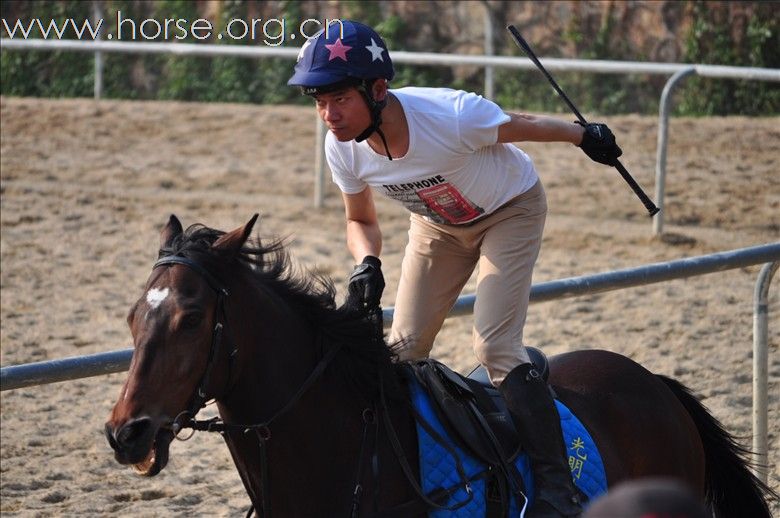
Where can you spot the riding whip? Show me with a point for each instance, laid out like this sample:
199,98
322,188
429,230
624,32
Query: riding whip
648,203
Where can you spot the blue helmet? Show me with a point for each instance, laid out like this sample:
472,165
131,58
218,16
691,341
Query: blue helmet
343,51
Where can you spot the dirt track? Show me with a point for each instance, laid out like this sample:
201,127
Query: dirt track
86,188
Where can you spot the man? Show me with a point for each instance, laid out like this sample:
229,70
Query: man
474,198
654,497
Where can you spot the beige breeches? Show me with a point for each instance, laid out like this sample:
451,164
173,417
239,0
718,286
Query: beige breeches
439,260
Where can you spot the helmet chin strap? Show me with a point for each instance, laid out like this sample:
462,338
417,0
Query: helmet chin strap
375,107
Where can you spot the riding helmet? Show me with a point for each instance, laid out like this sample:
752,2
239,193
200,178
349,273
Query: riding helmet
343,52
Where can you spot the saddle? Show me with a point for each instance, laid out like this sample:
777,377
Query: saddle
474,412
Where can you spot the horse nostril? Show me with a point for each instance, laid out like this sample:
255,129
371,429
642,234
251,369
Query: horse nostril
131,431
110,436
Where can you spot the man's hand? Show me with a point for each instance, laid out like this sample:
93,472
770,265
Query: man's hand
366,284
598,143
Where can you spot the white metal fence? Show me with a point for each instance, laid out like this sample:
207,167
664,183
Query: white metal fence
677,71
20,376
72,368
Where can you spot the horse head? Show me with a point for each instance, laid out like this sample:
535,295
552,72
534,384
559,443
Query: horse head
180,357
227,318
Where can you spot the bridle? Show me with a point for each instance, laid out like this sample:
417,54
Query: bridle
200,397
370,416
186,419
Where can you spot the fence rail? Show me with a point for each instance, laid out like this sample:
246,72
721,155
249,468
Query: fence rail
19,376
399,56
677,71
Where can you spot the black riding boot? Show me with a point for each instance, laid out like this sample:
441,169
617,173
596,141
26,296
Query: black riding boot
539,427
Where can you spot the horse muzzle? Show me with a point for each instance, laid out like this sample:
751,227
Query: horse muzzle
140,443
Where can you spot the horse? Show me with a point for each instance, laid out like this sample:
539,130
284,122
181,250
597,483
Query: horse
313,405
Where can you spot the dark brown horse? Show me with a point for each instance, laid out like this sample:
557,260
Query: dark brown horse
298,384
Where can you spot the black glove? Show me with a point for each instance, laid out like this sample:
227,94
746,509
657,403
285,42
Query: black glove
366,284
598,143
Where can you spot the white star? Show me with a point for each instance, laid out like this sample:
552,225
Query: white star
375,50
303,49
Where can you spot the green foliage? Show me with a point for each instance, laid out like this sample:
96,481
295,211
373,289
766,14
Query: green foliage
713,38
366,12
248,80
394,31
41,73
269,76
714,42
183,78
128,76
594,93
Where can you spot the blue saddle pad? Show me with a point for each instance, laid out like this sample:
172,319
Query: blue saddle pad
439,464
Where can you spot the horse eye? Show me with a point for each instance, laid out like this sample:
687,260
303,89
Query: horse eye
191,320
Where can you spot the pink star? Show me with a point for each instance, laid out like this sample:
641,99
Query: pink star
337,50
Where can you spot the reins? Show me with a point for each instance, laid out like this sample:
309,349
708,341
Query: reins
200,397
216,424
407,469
262,430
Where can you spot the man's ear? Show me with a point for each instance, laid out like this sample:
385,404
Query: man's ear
379,89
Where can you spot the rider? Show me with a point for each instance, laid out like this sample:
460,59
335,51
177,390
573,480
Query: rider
475,200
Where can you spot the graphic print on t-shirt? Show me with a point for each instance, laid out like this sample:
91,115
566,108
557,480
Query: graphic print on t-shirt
436,198
447,201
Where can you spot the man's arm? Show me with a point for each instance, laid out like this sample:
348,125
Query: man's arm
364,240
539,128
363,235
595,139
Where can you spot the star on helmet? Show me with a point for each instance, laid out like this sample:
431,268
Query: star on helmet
338,50
303,49
324,66
328,58
375,50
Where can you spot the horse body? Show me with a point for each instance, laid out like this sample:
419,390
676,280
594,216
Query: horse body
298,383
639,424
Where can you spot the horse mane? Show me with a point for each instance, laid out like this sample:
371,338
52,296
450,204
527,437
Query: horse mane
364,360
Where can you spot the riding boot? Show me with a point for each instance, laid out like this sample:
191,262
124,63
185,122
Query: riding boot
539,428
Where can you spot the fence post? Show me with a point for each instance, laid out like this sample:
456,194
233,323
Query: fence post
760,369
663,134
489,51
97,15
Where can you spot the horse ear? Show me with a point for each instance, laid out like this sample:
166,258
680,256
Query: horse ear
171,230
233,241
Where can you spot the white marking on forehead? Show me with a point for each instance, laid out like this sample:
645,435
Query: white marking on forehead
156,296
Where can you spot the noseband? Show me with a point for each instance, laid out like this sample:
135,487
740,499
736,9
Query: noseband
261,430
200,397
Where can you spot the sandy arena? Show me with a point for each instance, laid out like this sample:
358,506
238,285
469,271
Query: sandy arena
86,187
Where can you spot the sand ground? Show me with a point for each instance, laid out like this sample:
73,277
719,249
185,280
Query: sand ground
86,187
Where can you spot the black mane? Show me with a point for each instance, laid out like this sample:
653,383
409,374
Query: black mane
364,358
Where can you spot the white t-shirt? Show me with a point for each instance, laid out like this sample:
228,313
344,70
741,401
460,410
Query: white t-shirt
454,171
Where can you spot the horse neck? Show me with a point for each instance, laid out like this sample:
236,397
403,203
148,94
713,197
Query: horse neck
316,450
311,454
314,446
276,352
